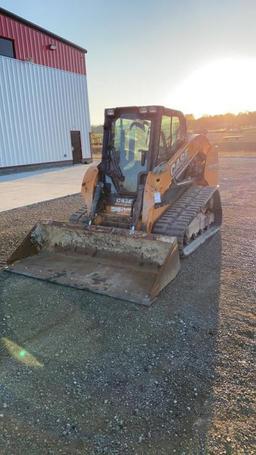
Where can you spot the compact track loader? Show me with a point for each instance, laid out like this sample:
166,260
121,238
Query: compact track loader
152,199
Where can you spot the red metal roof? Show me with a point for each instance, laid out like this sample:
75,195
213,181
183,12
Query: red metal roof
31,42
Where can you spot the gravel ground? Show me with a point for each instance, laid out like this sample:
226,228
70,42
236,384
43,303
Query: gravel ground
86,374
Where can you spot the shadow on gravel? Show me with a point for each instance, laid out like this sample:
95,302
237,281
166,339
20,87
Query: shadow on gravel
83,373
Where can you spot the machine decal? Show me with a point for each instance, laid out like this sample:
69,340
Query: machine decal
124,201
179,163
119,209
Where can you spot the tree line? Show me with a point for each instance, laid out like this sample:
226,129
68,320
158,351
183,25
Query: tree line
222,121
211,122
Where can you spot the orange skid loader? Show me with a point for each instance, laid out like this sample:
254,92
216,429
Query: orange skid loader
152,199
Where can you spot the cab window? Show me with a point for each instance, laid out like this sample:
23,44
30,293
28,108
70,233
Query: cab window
176,136
169,137
165,139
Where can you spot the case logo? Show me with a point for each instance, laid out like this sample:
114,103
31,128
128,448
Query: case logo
179,163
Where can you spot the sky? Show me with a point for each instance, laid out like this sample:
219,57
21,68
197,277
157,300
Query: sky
195,55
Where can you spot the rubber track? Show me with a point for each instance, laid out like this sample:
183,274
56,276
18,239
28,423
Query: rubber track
175,220
79,216
3,264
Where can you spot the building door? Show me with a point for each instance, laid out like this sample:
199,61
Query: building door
76,147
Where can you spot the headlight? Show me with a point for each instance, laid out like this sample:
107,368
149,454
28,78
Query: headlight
110,111
143,110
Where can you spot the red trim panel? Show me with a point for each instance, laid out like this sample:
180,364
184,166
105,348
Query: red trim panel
31,44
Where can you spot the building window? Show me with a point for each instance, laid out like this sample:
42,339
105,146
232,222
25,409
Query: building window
7,47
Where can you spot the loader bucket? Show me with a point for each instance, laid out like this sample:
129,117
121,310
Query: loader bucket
104,260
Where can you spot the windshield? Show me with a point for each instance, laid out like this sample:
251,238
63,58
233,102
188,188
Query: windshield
130,141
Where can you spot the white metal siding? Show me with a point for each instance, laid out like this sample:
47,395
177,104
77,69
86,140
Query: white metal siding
39,106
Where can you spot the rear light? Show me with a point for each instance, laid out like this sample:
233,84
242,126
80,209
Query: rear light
110,111
143,110
152,109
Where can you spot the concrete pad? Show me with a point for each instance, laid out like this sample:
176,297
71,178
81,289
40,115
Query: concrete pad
25,188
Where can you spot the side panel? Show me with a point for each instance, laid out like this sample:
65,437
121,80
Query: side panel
39,107
31,44
211,173
88,185
160,179
157,182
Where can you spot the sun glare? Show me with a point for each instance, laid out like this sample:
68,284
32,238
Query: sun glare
221,86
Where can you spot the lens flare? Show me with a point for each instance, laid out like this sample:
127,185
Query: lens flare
20,354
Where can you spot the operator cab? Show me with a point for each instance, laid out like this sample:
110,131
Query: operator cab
136,139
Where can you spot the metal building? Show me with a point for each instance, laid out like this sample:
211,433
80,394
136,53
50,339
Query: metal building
44,112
